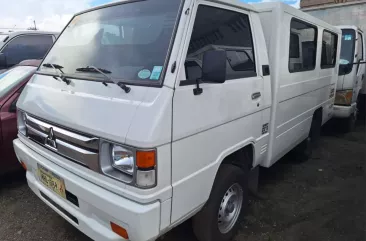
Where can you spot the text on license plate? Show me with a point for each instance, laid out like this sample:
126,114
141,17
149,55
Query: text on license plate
52,181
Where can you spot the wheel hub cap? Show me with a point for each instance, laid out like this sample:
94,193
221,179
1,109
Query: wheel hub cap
230,208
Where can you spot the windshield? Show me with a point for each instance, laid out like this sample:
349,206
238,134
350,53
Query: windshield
13,77
129,40
2,37
347,51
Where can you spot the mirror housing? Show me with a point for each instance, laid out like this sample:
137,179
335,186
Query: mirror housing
3,62
214,66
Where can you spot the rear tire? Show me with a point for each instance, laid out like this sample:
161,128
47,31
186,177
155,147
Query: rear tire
220,218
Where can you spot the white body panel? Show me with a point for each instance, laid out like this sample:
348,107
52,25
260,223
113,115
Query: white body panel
192,134
295,95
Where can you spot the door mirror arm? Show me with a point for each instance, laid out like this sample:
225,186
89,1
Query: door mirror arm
197,90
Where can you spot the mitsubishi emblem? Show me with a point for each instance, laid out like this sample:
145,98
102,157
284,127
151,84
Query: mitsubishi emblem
50,140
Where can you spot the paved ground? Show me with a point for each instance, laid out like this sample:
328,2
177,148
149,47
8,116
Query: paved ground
321,199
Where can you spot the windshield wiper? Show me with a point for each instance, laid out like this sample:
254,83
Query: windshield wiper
104,72
57,68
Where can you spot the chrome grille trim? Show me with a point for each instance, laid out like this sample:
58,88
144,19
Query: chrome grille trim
79,148
79,140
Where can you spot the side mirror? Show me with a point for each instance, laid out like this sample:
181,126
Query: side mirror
3,62
213,69
214,66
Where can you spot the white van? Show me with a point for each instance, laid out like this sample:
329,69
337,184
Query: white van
351,74
125,136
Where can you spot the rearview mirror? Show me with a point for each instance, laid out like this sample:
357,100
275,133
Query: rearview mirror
214,66
3,63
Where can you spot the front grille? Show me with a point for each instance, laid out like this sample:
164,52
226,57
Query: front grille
79,148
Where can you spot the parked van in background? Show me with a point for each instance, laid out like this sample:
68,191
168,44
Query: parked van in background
130,128
22,45
348,13
351,74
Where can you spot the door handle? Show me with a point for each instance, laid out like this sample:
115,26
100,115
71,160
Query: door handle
256,95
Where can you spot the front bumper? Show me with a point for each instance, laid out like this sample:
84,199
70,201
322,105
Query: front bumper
96,208
344,111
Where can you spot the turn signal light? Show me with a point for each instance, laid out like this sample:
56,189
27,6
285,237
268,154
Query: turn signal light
119,230
145,159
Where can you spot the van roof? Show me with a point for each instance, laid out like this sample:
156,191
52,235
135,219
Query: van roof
267,7
234,3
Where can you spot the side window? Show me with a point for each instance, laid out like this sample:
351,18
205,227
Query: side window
329,50
193,70
27,47
302,49
294,45
360,47
221,29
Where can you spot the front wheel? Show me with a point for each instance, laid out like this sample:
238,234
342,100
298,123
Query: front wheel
220,218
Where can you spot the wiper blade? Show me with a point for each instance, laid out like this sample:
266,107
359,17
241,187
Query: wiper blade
93,69
57,68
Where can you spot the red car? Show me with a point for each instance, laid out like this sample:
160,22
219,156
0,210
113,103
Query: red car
12,83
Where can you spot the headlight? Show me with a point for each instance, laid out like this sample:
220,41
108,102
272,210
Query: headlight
123,159
21,120
343,97
129,165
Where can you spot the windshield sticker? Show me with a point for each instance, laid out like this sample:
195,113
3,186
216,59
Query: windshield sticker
156,73
144,74
348,37
343,61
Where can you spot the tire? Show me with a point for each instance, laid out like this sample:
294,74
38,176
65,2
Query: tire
209,224
304,150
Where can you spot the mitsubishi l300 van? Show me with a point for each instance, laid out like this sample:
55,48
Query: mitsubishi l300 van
146,113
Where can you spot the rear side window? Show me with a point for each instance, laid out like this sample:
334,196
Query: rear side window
27,47
302,49
329,50
294,45
220,29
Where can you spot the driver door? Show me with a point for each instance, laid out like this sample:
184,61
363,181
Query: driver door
206,124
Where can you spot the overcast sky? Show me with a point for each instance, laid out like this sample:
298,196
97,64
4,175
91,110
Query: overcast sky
54,14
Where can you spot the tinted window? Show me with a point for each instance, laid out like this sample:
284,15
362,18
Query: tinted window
329,50
13,77
193,70
347,51
306,40
294,46
27,47
131,40
216,28
360,47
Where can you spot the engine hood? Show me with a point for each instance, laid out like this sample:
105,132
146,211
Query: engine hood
90,107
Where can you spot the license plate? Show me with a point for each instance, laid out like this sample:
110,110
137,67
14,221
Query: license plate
52,181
